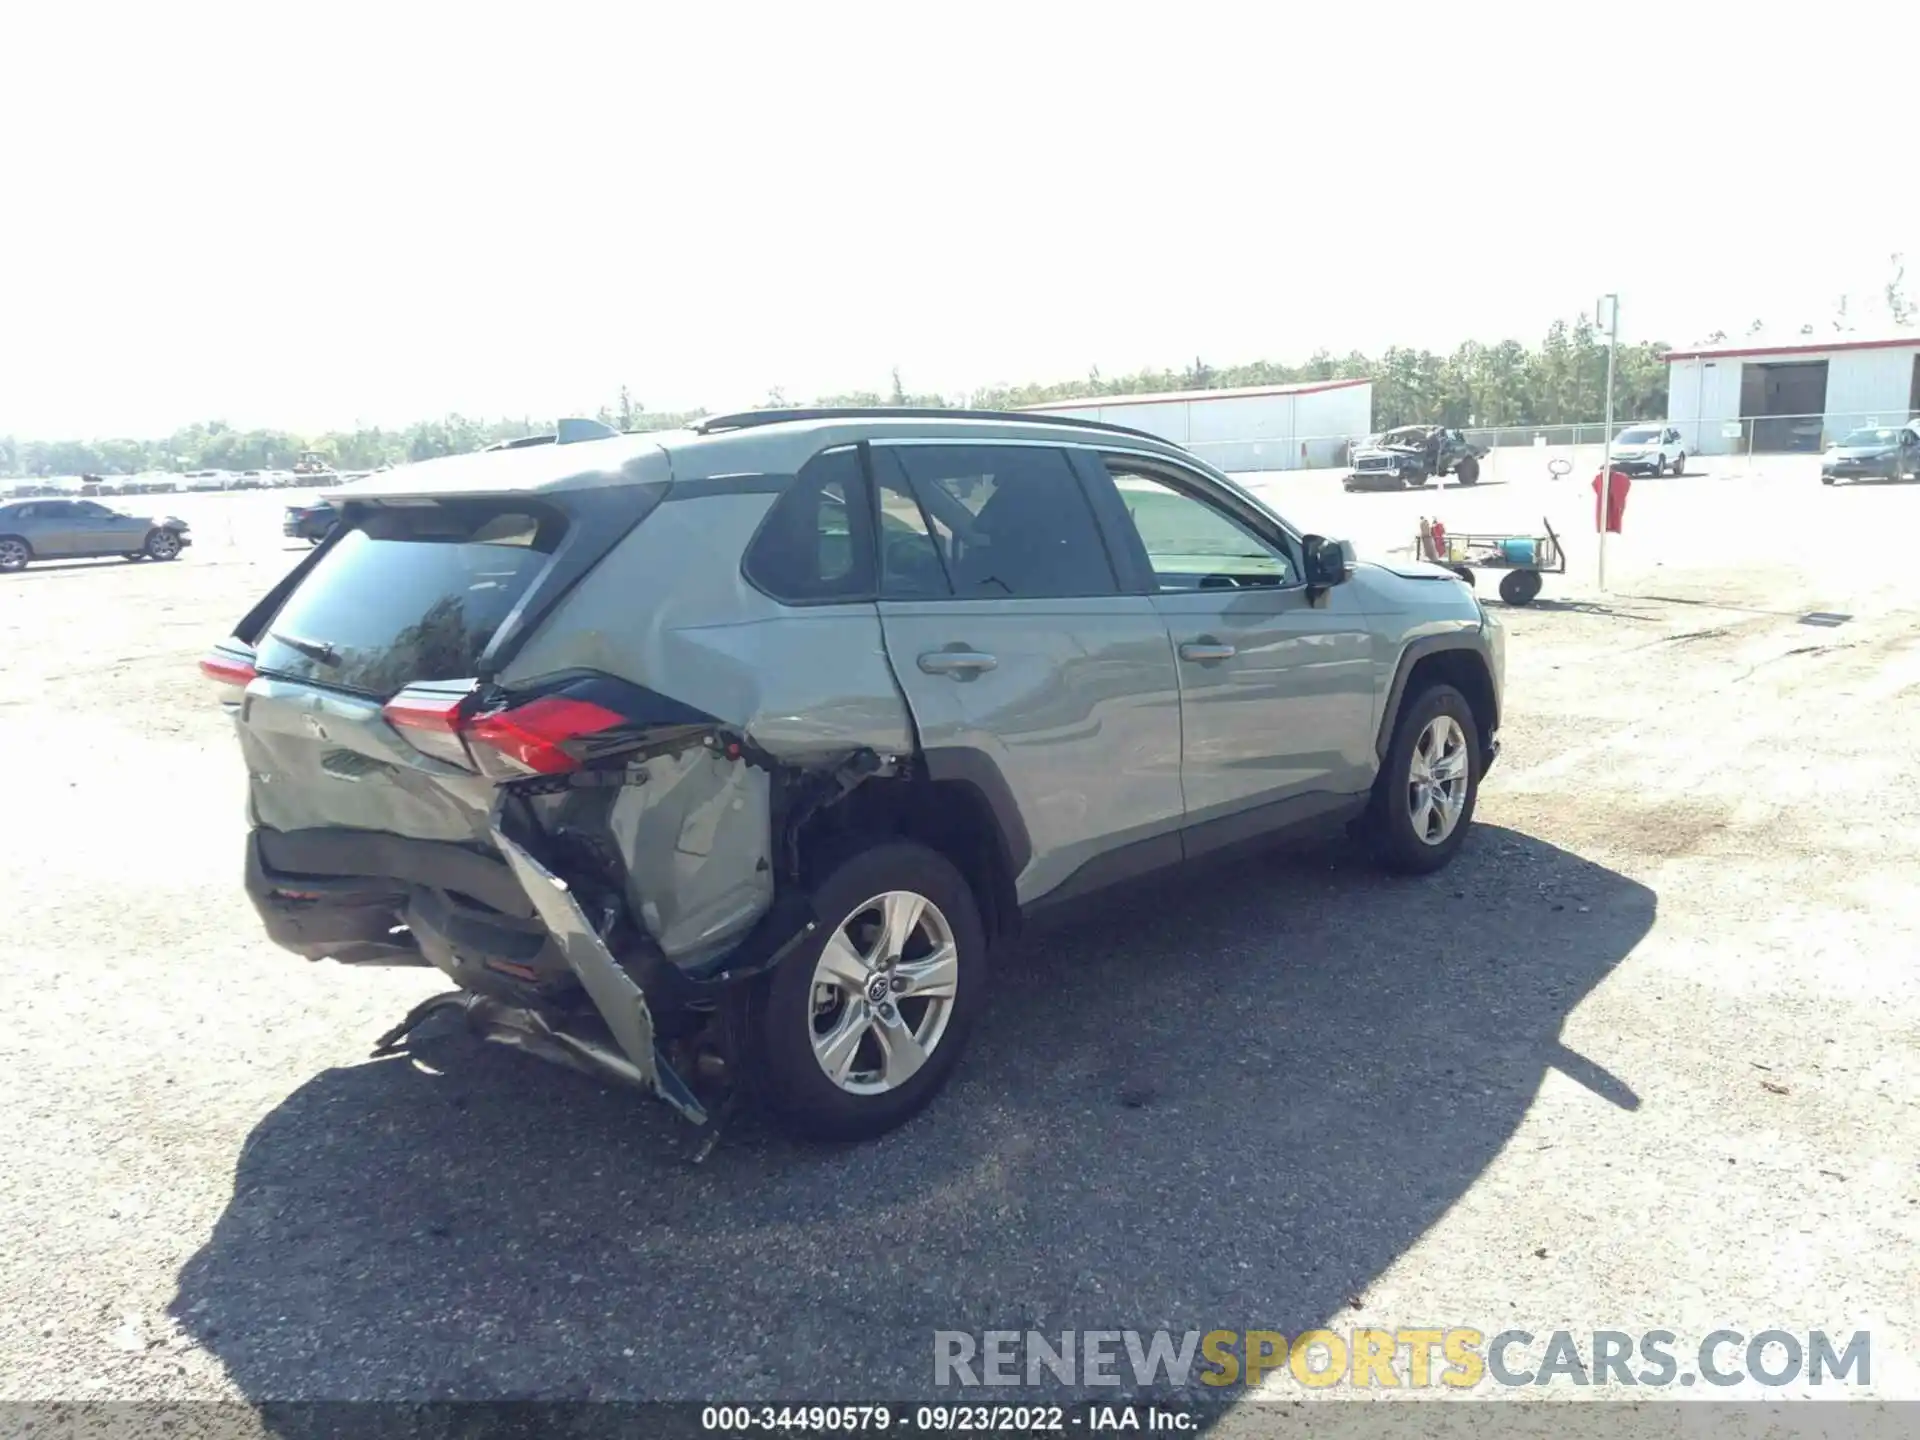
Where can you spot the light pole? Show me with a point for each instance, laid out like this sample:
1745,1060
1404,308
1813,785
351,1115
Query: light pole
1607,313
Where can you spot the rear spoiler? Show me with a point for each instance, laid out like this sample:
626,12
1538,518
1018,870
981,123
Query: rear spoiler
565,432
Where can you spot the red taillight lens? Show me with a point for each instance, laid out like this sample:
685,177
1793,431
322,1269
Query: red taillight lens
407,712
227,670
431,723
533,736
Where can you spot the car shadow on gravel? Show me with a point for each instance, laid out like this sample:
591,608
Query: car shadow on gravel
1230,1100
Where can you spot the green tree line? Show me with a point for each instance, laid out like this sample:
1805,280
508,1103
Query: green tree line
1562,380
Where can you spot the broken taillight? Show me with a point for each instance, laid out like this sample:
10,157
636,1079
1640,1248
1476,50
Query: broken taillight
431,723
533,738
536,736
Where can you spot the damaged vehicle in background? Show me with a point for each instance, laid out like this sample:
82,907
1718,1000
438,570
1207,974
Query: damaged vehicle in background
718,761
1411,456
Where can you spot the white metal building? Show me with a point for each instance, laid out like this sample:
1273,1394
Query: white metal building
1791,396
1259,427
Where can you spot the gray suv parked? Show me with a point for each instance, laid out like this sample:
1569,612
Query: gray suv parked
719,760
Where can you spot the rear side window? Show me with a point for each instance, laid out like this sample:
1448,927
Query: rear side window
815,545
409,594
1009,522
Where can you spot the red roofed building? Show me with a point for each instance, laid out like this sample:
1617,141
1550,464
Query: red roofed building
1791,393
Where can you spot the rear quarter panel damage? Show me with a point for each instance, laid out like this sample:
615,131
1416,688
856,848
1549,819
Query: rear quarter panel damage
696,843
809,687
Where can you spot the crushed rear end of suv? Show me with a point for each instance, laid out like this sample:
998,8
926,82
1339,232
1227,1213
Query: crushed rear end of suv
717,762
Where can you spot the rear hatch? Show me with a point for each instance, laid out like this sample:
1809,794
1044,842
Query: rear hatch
353,681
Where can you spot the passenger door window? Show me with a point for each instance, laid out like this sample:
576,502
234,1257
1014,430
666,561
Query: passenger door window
912,562
1193,545
814,546
1008,522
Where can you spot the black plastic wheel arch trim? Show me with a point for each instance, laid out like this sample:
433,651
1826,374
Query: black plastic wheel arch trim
1415,652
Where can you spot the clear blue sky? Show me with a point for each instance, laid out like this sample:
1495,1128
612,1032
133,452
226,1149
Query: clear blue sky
320,215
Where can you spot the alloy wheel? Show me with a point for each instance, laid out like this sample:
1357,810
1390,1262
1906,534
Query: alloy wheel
1437,780
883,992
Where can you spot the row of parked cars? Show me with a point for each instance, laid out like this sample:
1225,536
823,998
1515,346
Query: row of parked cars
267,479
159,483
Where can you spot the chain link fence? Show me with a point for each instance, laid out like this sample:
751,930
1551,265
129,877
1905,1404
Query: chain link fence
1530,448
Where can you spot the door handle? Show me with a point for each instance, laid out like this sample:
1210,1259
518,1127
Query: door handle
1206,650
961,664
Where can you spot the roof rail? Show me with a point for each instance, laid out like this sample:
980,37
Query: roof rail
753,419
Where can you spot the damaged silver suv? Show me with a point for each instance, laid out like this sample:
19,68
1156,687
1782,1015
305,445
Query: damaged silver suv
719,761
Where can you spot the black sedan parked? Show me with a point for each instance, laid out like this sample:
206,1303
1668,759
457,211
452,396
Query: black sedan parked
310,523
1876,452
33,530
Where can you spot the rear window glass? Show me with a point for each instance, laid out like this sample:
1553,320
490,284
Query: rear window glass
409,594
813,547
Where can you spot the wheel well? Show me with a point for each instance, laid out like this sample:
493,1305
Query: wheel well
1467,673
951,816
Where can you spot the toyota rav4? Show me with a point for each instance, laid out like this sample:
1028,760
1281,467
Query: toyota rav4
719,761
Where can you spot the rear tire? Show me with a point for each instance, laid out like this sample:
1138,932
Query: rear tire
1680,463
15,554
1428,726
788,1010
161,545
1468,471
1518,587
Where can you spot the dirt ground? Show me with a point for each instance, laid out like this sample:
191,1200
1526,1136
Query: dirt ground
1645,1057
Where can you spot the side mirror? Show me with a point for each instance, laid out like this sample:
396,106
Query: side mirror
1329,562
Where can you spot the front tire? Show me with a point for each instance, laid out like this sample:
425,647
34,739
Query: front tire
161,545
1424,795
1468,471
857,1030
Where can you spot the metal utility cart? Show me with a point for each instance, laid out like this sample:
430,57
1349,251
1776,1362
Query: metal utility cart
1525,557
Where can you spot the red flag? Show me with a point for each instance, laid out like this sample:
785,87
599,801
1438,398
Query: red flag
1617,486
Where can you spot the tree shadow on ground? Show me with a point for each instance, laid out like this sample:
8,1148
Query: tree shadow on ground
1229,1101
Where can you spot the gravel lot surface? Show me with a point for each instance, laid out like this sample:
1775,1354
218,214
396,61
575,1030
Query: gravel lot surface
1645,1057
